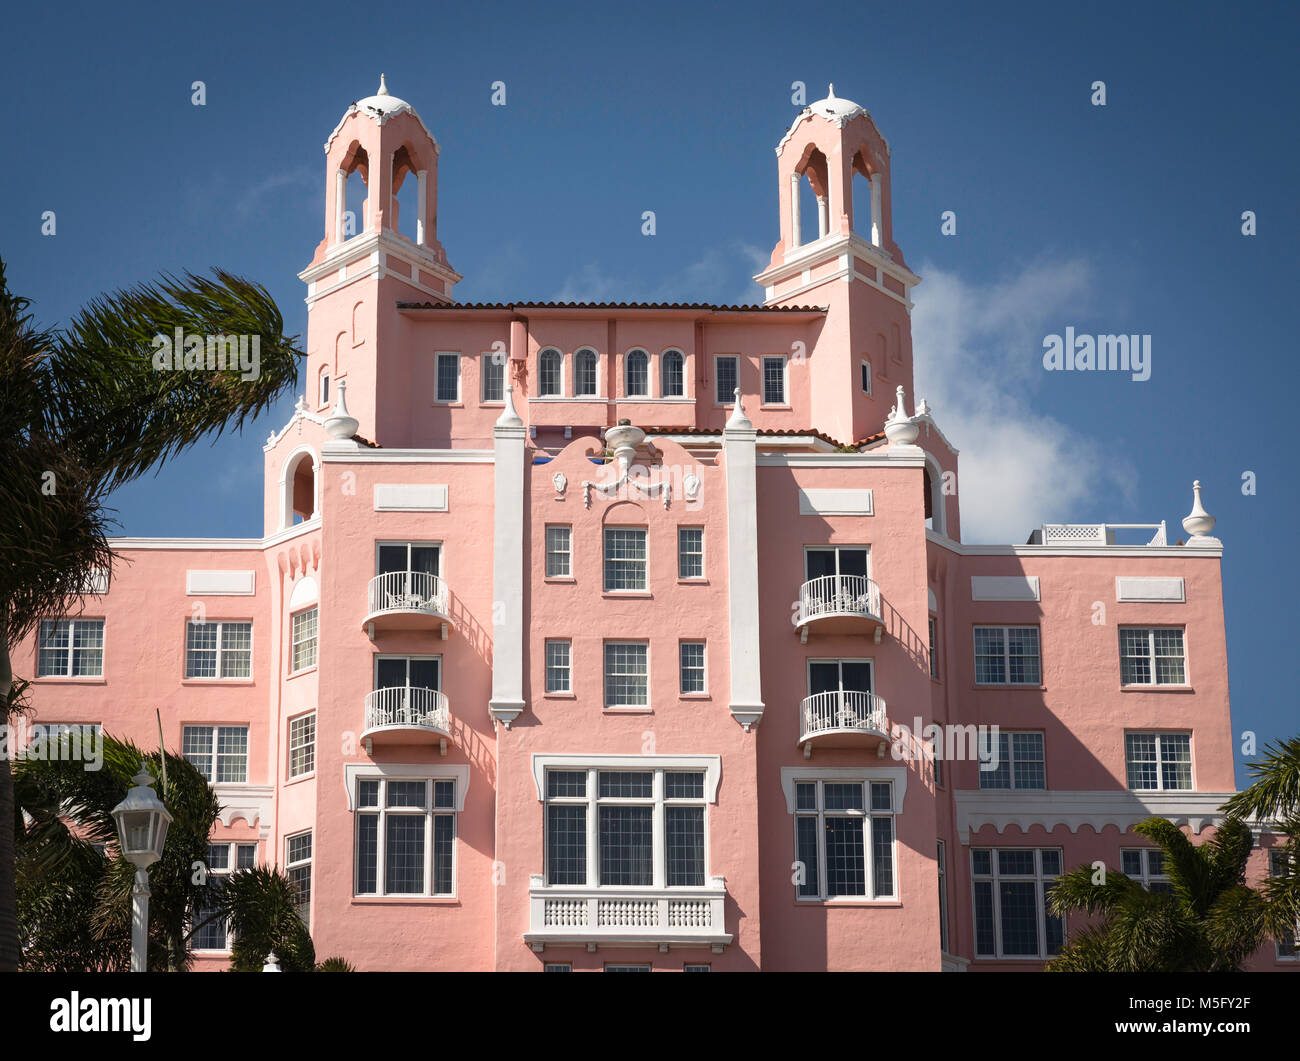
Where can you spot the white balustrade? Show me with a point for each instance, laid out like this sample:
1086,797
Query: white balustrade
408,591
839,595
405,705
841,709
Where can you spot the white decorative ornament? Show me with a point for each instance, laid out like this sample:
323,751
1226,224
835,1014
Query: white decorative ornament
1198,523
561,483
340,423
623,439
901,429
691,483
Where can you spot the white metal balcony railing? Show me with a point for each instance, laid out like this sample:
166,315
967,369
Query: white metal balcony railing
408,706
407,591
841,711
563,914
839,595
1099,533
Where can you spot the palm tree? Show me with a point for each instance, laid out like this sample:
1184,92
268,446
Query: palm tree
1209,922
262,907
82,411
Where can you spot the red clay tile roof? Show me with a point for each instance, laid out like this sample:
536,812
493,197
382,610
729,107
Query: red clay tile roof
610,305
674,429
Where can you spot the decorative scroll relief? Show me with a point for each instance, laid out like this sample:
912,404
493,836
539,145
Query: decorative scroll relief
635,478
835,503
220,583
410,497
1004,587
1155,590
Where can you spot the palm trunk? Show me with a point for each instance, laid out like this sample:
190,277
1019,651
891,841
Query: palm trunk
8,849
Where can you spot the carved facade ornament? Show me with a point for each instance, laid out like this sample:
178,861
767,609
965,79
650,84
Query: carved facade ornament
561,483
691,484
623,440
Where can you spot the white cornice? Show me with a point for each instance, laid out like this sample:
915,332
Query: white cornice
363,455
1121,808
214,544
839,460
1145,551
251,802
836,246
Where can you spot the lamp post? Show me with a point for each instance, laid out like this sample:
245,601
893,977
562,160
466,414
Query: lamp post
142,822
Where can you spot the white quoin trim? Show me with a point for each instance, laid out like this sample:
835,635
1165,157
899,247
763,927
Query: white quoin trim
287,470
508,435
739,453
422,207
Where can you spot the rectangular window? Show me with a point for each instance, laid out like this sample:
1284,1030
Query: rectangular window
218,650
690,552
627,809
1147,866
220,753
302,745
692,660
1288,948
727,376
627,968
774,380
558,671
934,647
448,382
627,674
942,859
584,374
1151,655
1011,886
559,967
1161,761
844,839
558,551
493,374
303,653
865,374
405,841
297,867
1007,655
71,648
697,967
1018,763
213,933
625,558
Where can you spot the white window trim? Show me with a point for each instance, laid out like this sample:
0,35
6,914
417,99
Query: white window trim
563,391
290,745
1145,877
214,728
411,543
221,648
428,813
1006,654
103,652
406,772
730,401
785,381
546,667
711,765
704,571
869,837
309,862
546,550
232,866
681,670
485,360
1040,881
1011,763
438,355
1160,761
663,360
837,548
294,644
599,395
649,375
897,775
645,561
865,364
604,675
1151,657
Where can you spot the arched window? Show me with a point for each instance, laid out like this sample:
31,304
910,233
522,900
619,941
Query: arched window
298,488
584,374
674,376
550,374
636,374
932,476
324,387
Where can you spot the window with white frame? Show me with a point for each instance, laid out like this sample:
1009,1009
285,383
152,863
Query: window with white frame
625,558
1146,865
692,667
213,933
492,373
942,861
1151,655
1016,761
418,558
1288,948
559,967
559,542
844,839
636,374
774,380
1159,761
303,641
1011,887
690,552
550,374
864,372
70,648
297,867
726,373
697,967
934,647
324,389
218,649
406,836
672,368
559,678
625,828
447,383
219,753
627,674
302,745
1007,655
585,374
627,967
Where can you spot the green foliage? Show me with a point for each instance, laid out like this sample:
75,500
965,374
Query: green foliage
335,965
260,904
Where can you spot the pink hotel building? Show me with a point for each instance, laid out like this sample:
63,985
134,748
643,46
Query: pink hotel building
584,636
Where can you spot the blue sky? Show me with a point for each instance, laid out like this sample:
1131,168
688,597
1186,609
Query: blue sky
1124,218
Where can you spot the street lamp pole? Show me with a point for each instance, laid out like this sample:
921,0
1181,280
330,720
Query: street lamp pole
142,822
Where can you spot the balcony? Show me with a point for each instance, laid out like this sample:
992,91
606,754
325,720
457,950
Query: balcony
406,714
839,604
407,600
842,718
563,915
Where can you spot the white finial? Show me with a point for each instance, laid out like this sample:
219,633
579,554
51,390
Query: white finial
831,93
383,87
509,416
272,963
901,429
340,423
1198,523
738,418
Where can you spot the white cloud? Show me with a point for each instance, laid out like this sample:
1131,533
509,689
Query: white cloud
978,350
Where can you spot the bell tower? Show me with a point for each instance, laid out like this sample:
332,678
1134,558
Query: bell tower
837,250
373,255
